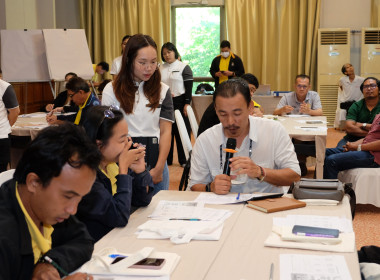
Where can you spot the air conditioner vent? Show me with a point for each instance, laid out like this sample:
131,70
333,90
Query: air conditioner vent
334,37
372,37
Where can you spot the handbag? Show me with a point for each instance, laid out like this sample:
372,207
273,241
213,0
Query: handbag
330,189
318,189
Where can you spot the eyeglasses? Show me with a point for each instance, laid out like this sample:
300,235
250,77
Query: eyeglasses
302,86
109,115
148,65
72,94
370,86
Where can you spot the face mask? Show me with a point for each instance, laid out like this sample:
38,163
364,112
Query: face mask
225,54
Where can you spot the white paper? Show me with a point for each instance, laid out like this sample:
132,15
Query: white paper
334,222
130,277
296,116
312,122
33,115
312,267
212,198
312,128
167,210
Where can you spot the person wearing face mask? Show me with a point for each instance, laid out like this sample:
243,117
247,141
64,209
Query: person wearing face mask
62,99
145,101
179,77
226,65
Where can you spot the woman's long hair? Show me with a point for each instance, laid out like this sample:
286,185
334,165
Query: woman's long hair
124,85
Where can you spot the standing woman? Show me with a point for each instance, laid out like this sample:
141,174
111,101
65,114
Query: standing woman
145,101
179,77
116,64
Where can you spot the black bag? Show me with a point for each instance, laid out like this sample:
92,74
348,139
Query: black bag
346,105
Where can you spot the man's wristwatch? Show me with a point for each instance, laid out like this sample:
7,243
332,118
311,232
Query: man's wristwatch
364,125
359,148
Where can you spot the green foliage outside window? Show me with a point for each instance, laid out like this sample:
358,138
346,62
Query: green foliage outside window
198,37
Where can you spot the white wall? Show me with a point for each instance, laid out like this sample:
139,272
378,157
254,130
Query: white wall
351,14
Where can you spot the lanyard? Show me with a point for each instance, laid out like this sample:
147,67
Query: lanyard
221,152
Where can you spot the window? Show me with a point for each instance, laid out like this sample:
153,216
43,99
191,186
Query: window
197,32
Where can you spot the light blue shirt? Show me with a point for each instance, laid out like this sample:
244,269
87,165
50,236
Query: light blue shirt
312,98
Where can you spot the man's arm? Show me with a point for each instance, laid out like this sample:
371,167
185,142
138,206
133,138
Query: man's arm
370,147
356,128
72,245
317,112
214,67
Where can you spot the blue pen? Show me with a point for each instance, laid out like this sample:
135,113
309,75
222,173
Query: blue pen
238,196
114,256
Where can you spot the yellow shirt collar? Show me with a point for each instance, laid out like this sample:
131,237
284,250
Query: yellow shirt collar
112,170
41,242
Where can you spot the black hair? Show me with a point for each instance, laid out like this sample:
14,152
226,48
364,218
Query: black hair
105,66
232,87
251,79
370,78
71,74
53,147
169,46
225,44
76,84
344,68
103,85
125,38
100,127
302,76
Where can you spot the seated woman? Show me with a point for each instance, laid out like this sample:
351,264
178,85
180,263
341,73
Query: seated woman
118,187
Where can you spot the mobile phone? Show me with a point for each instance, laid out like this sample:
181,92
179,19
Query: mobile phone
133,147
149,263
315,231
117,259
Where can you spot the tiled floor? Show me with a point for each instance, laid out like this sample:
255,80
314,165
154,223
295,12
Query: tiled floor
367,218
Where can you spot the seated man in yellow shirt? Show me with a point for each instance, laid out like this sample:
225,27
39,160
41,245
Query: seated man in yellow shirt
99,70
38,229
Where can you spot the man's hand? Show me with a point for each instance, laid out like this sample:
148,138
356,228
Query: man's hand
228,73
351,146
45,271
221,184
244,165
51,119
219,74
305,108
287,109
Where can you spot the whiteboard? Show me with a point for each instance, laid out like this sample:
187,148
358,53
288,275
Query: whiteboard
67,51
23,56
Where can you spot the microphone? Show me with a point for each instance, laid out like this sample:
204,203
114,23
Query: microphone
230,150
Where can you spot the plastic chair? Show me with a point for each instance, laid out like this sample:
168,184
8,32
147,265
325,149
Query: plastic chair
187,148
6,175
193,121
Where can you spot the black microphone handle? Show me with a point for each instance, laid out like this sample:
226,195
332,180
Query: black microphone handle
227,169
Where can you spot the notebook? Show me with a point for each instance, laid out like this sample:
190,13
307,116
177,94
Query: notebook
271,205
152,149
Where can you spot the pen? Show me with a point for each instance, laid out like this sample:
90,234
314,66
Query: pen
53,263
175,219
309,127
271,271
238,196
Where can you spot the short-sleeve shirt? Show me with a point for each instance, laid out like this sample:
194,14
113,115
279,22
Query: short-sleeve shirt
312,98
374,135
359,112
174,75
350,90
8,100
116,65
143,121
270,145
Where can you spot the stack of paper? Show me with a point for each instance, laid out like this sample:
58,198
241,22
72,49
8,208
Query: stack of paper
294,266
182,221
282,229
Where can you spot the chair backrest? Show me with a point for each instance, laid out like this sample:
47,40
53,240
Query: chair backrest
193,121
6,175
185,139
